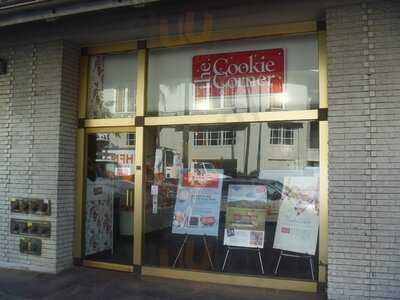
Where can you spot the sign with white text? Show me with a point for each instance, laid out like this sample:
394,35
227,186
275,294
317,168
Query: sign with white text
238,73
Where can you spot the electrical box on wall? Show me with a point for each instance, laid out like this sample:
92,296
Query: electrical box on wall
31,246
30,206
30,227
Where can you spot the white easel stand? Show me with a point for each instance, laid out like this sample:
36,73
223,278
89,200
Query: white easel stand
243,248
288,254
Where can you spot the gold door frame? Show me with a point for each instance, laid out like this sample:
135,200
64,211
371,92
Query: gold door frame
140,121
90,126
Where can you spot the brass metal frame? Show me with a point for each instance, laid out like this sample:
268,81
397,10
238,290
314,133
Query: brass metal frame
80,159
323,159
91,123
141,89
323,69
233,279
125,125
107,266
92,126
141,84
138,208
128,129
79,193
301,115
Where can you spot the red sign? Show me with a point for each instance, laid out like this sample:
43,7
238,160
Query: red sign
195,179
238,73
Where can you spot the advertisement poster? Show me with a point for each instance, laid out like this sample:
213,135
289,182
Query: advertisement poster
245,216
124,160
238,73
298,220
99,216
198,203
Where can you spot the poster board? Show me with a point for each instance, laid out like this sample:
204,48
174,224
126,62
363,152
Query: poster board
99,216
245,216
197,205
298,220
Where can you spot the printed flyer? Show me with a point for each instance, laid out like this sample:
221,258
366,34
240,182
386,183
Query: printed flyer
126,162
197,204
298,220
99,216
245,216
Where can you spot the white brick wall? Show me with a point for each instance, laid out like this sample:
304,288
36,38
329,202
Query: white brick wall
39,96
364,157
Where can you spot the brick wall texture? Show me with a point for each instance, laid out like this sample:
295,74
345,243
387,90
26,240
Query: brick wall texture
38,117
364,155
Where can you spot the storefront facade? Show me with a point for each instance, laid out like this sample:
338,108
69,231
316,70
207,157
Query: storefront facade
172,142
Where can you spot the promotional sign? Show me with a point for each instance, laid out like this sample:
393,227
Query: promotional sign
125,161
99,216
238,73
298,220
197,203
245,216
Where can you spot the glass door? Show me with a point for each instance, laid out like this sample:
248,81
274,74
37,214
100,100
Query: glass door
109,197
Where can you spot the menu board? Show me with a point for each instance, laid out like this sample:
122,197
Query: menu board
298,220
245,216
198,203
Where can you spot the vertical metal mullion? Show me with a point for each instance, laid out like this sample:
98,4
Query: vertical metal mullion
141,82
80,160
138,214
323,158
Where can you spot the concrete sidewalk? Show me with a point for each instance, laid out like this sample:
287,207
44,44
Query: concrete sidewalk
83,283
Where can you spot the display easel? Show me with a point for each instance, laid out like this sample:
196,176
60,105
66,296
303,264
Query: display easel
295,255
258,250
183,246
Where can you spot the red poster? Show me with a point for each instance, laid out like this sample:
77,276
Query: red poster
196,179
238,73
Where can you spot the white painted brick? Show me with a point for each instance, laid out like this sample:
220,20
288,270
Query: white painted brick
32,94
364,224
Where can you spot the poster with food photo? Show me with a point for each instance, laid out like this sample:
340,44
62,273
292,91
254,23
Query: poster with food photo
197,205
245,216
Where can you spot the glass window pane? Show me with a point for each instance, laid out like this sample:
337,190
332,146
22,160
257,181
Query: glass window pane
288,135
251,197
109,197
252,75
112,84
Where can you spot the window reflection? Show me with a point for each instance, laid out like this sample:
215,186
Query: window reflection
112,86
109,197
195,174
182,82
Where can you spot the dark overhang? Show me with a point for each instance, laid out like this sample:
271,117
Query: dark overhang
14,12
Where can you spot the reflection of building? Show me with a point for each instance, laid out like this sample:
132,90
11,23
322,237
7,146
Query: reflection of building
246,150
111,92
